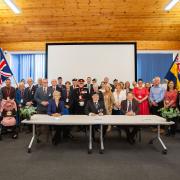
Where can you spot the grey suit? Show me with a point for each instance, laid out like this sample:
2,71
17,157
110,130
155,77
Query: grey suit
40,96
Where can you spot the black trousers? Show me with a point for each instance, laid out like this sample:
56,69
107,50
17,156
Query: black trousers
96,128
155,109
173,127
131,133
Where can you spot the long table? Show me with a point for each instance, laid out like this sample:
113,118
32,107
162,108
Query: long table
120,120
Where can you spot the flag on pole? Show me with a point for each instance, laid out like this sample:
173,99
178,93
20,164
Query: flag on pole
5,71
174,72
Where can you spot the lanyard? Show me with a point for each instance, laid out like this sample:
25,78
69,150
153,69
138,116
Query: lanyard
8,92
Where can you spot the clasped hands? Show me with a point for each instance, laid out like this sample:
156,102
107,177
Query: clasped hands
94,114
56,114
130,113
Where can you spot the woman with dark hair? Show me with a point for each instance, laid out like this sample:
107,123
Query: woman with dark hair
170,99
141,96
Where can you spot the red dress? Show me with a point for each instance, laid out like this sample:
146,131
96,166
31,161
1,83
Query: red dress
140,94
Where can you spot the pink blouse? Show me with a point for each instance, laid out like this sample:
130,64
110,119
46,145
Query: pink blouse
171,96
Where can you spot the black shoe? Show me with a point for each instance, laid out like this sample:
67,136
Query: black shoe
55,142
130,140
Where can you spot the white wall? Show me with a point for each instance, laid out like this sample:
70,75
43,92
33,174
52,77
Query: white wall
96,61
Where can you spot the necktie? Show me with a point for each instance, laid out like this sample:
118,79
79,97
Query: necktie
96,105
129,106
44,90
88,88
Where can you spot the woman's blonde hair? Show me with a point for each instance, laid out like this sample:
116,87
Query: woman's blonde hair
56,93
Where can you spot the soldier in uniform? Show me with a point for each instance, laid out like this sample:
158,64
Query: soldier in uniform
80,97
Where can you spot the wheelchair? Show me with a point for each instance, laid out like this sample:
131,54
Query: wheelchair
8,123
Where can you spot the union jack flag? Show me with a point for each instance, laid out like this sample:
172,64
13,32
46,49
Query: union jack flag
5,71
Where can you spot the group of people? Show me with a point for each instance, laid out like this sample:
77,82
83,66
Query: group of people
88,97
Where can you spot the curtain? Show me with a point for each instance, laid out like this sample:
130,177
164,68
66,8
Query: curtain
28,65
150,65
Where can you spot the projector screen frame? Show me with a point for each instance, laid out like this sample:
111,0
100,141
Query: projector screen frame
93,43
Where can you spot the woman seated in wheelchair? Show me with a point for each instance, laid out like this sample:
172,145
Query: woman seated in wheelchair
8,117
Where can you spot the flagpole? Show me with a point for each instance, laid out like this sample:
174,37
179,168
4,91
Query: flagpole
15,81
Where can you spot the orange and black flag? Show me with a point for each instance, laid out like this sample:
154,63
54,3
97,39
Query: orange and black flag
174,72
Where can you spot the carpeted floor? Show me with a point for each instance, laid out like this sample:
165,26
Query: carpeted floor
70,161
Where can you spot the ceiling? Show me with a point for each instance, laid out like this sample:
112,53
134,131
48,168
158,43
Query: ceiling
68,20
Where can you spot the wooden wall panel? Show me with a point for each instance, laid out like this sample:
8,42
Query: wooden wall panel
141,45
82,20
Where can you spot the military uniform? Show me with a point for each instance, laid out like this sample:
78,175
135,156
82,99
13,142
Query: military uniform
80,97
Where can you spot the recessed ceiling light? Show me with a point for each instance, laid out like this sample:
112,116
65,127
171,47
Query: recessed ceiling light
13,6
171,4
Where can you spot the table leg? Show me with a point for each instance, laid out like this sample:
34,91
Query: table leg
164,151
101,140
32,139
90,140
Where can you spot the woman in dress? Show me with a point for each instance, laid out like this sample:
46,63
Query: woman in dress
170,101
141,95
109,102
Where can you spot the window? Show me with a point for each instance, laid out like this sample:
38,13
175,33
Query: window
28,65
150,65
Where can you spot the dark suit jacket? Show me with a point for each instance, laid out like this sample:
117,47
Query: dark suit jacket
91,88
5,92
135,106
57,88
52,108
41,96
29,95
20,97
61,87
37,86
101,96
90,107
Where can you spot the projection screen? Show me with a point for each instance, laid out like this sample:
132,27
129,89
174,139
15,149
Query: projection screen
97,60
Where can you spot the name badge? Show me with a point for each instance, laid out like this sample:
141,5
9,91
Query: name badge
21,100
67,100
140,96
81,103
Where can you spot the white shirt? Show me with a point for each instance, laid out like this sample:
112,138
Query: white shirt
119,97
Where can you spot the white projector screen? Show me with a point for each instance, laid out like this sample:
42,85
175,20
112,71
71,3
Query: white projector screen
97,60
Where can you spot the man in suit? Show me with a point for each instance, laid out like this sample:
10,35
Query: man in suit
95,107
29,93
115,81
96,90
127,87
7,92
54,86
106,82
39,84
89,86
130,107
42,96
74,83
60,85
29,98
